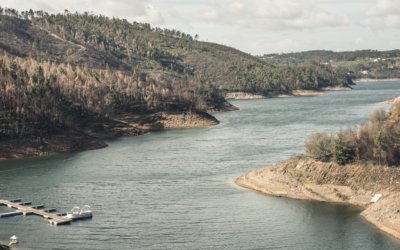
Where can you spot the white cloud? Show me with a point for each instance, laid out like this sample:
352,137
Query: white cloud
272,14
210,14
383,14
26,5
385,7
138,10
151,15
255,26
118,8
236,7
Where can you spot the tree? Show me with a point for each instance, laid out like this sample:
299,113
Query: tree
343,151
31,14
379,151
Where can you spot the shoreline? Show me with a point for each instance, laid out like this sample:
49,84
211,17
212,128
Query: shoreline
367,80
92,138
242,95
354,185
393,100
4,246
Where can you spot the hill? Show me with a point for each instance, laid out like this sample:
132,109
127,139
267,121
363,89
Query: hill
362,63
354,184
98,41
70,76
352,167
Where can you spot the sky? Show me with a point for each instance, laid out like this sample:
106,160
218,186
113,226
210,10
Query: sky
255,26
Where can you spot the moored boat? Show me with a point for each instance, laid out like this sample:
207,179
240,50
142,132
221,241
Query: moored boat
78,213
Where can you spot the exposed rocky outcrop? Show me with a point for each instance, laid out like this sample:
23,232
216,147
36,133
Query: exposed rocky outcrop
92,135
47,145
4,247
393,101
243,96
307,179
164,120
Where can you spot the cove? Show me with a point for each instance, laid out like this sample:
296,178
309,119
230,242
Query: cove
174,189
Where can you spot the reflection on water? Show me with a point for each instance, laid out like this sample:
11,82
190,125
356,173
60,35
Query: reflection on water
174,189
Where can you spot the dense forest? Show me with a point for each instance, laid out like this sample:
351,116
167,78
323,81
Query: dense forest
56,69
376,141
360,64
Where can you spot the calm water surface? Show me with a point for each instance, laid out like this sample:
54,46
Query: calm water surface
175,190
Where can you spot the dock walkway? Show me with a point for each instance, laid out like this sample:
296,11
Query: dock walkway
26,210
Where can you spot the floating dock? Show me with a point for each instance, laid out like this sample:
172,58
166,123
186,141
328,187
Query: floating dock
23,209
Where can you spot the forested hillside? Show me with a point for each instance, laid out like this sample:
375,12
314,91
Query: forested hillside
99,41
362,64
73,72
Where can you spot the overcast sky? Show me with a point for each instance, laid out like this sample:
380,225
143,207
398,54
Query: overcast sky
256,26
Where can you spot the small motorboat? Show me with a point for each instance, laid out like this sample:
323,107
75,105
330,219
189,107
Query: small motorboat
78,213
13,240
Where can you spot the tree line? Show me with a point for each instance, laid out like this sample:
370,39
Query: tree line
145,48
150,70
376,141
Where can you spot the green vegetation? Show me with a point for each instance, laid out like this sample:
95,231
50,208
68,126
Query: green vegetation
359,64
58,69
375,141
140,47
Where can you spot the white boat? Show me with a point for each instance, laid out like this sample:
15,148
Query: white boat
13,240
78,213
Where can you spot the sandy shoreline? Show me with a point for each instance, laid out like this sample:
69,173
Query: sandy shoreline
307,179
366,80
294,93
240,95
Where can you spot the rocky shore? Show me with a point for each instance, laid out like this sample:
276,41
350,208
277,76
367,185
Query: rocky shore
163,120
66,142
319,92
243,96
306,179
3,246
393,101
92,135
376,80
300,92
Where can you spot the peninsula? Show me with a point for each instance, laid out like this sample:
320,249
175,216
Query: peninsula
359,168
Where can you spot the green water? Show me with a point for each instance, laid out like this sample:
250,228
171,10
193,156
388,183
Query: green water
175,190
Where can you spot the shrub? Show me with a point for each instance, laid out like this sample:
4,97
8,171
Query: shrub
376,141
319,146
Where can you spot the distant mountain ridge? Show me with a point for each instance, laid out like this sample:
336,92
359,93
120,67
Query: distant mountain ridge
360,64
